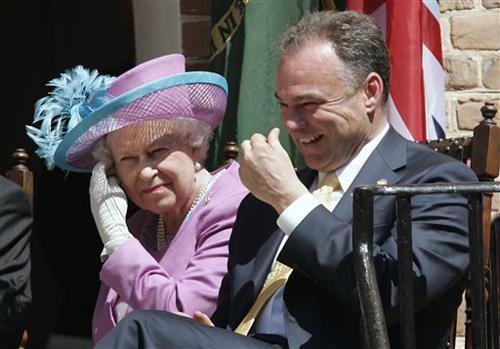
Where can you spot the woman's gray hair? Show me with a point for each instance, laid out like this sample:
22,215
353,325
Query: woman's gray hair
191,132
102,152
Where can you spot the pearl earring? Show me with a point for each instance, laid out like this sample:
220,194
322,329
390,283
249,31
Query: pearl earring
197,166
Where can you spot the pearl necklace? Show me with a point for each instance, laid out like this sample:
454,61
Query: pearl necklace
161,234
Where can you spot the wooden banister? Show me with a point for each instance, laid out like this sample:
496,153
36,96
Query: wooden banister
20,173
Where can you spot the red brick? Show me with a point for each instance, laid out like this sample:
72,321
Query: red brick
196,7
196,38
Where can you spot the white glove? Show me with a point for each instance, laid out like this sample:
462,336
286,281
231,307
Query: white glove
108,203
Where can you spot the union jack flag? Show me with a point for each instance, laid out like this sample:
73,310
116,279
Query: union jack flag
416,103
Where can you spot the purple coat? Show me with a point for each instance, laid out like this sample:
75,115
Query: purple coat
184,277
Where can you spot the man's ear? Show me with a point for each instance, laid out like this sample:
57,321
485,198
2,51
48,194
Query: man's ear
373,88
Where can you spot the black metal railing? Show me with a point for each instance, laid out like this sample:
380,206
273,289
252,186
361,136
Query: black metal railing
369,296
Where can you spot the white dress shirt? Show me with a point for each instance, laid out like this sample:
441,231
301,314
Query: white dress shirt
294,214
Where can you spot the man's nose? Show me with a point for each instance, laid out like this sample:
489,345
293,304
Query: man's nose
294,121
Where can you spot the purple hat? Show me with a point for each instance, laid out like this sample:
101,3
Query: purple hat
84,106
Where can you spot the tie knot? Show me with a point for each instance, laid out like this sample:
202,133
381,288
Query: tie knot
279,270
330,180
324,193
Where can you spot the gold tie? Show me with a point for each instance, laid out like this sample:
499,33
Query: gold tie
324,193
279,273
275,279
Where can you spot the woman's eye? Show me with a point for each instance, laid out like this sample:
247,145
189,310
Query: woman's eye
126,158
159,151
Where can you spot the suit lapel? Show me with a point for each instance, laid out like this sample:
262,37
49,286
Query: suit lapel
261,265
383,163
250,277
264,258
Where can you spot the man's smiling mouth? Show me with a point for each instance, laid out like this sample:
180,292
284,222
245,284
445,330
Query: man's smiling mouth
310,140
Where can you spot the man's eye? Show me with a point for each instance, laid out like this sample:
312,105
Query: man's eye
309,104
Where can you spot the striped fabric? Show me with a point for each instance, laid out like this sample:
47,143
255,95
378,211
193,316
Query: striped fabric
416,101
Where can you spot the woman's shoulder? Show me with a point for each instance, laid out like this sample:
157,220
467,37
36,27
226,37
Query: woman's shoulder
228,183
221,202
231,166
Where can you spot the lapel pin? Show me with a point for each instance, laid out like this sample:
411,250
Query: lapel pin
382,181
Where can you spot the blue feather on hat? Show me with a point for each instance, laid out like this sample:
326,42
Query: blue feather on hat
77,92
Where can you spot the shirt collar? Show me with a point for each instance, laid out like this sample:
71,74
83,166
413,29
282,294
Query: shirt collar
350,170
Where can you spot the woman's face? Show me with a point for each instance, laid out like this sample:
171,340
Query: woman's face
155,169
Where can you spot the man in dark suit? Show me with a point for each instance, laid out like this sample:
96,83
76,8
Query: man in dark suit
15,292
332,85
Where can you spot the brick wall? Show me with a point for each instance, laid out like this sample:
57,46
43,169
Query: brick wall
196,25
471,44
471,51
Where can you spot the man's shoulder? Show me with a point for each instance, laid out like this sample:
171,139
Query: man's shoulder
255,215
10,191
415,152
255,224
424,154
251,204
412,159
8,184
422,151
421,158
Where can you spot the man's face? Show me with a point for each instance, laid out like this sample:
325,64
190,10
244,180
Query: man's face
326,119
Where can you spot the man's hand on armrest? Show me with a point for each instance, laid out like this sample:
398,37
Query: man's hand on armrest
198,316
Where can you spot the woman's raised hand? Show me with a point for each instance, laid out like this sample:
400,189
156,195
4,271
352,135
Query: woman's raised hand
108,203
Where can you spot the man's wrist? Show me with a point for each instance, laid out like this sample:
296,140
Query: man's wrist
296,212
285,200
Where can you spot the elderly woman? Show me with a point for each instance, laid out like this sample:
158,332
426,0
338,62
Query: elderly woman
148,130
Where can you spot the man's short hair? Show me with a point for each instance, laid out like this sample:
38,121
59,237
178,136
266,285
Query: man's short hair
356,39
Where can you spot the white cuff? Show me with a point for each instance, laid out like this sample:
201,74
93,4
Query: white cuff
112,245
291,217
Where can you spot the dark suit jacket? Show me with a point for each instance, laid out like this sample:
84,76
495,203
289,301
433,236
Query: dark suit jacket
15,292
321,305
